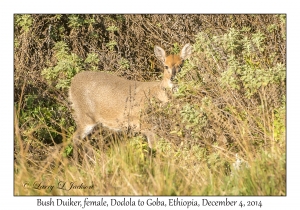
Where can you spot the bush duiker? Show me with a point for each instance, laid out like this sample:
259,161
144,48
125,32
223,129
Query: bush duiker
116,103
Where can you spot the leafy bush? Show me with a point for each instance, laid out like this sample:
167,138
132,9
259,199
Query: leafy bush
68,65
244,69
24,21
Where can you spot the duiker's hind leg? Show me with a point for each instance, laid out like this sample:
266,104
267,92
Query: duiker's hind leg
79,135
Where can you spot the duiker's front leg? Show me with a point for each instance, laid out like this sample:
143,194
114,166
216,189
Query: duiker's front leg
150,137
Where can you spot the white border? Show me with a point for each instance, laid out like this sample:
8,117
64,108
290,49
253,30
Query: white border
8,8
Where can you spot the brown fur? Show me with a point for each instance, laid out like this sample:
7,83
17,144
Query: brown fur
116,103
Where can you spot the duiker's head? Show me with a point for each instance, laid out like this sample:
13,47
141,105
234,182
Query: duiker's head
172,63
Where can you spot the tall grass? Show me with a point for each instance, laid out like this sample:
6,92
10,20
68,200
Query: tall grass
127,170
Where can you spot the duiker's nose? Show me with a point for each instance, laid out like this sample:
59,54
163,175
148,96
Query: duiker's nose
173,73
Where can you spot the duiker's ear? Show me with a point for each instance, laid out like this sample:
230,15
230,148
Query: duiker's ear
160,53
186,51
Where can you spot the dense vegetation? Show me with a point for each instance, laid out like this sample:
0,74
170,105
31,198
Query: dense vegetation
222,133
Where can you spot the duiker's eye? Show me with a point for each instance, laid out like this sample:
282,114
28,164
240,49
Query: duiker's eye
166,67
